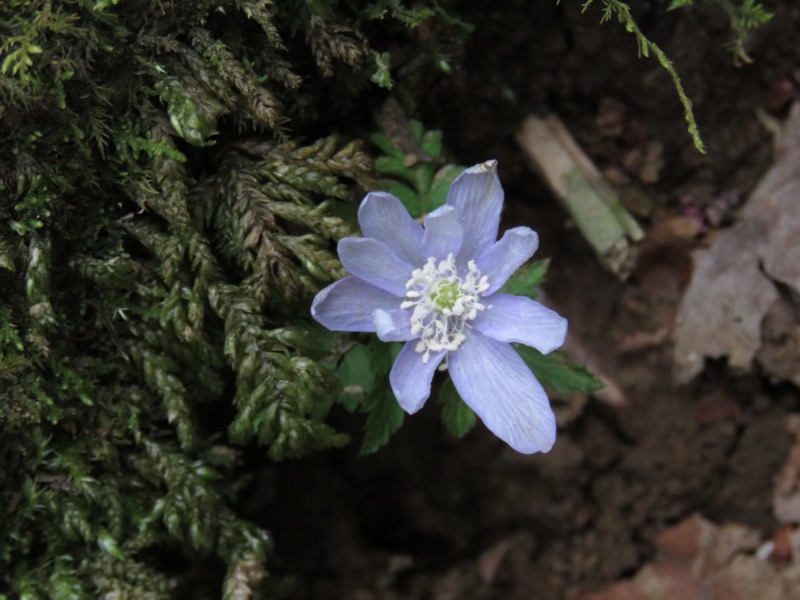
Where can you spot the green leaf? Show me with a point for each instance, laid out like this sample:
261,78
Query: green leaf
457,417
527,279
394,166
407,196
364,375
554,372
386,145
357,375
362,370
423,179
440,186
386,418
418,128
382,74
432,143
419,179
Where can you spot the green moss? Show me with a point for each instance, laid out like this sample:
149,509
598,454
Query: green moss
161,237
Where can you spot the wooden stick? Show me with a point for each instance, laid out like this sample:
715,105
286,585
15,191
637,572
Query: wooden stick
578,184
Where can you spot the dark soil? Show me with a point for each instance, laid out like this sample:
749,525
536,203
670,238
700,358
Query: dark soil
431,518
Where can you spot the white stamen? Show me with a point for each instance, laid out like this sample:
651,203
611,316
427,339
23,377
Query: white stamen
443,304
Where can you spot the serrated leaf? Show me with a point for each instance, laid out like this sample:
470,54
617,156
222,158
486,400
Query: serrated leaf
432,143
407,196
362,369
357,375
440,186
423,178
386,145
527,279
386,418
417,128
396,167
457,417
554,372
382,74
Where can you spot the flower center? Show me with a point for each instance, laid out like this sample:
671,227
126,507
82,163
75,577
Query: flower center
443,304
445,297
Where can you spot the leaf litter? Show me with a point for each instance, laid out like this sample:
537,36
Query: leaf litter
744,298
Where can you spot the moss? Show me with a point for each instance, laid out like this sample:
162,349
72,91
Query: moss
161,236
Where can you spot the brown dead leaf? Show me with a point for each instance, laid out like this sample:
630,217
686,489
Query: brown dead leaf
734,282
747,578
611,393
490,561
782,544
699,560
668,581
684,541
786,498
624,590
657,581
703,546
780,334
643,340
514,549
718,405
729,540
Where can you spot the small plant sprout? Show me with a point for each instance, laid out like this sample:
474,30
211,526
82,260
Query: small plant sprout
435,287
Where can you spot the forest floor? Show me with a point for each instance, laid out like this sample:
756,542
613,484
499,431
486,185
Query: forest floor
660,491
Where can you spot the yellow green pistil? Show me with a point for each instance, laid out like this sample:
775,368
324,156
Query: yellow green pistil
446,296
443,304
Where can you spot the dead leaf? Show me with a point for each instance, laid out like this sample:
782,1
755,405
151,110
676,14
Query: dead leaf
668,581
746,578
786,497
699,560
515,547
718,405
780,334
734,282
642,340
624,590
611,393
684,541
490,561
704,546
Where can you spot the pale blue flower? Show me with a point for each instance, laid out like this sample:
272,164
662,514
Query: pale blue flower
435,287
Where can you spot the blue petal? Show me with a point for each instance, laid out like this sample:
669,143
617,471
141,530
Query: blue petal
494,382
507,255
443,234
375,263
519,319
348,304
393,325
411,378
383,217
478,197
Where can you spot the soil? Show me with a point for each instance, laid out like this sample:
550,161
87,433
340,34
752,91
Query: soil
432,518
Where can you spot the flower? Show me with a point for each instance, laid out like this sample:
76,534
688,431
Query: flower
435,287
